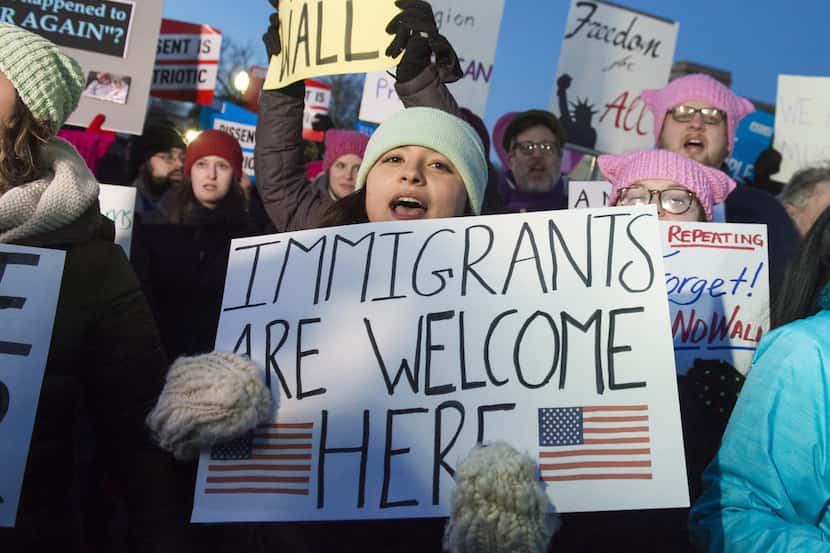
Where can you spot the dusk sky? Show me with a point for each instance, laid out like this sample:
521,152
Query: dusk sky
754,40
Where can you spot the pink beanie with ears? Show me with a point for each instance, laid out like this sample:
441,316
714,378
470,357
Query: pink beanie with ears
702,88
711,186
339,143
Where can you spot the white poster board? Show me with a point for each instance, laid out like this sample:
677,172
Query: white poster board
608,56
717,280
118,204
802,123
395,347
472,27
586,193
29,285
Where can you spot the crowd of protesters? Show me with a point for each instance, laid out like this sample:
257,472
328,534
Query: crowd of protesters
122,413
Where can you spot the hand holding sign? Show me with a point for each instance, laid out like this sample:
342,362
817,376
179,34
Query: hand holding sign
416,34
271,38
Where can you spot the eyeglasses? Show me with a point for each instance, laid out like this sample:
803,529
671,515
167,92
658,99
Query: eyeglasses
168,157
527,148
684,114
673,200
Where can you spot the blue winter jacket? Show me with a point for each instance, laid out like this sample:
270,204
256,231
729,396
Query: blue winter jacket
768,489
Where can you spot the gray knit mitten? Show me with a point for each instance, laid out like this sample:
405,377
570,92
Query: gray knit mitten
498,505
208,399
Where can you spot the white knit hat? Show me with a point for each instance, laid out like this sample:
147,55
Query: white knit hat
208,399
498,506
437,130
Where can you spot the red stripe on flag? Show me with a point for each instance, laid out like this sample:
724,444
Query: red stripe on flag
615,430
288,491
616,419
287,425
594,465
580,452
282,446
600,441
292,468
257,479
599,408
283,436
282,457
620,476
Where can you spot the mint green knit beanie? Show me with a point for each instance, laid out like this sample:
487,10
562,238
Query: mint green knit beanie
48,81
437,130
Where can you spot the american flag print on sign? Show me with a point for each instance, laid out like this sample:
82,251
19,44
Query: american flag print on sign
607,442
273,459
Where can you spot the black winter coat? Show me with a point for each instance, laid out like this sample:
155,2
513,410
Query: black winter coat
105,370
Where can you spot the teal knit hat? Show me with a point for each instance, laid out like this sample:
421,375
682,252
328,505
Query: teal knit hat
436,130
48,81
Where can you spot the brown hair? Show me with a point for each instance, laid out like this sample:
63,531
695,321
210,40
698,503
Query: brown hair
20,145
233,205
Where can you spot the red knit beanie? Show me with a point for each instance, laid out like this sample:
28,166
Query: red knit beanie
214,143
339,143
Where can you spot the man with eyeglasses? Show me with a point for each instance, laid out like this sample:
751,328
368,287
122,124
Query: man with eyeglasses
697,116
157,162
534,182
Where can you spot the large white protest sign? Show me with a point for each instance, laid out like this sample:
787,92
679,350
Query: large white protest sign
608,56
472,27
802,123
717,279
586,194
114,41
118,204
29,285
187,62
394,347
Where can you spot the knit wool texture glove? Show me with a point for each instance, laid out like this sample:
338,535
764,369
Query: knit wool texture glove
498,506
209,399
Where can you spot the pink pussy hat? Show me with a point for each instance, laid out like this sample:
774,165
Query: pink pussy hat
711,186
702,88
339,143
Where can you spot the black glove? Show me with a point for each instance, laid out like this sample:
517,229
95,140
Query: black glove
416,34
271,38
321,122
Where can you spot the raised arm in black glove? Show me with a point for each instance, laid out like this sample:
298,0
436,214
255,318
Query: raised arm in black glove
416,34
271,38
273,47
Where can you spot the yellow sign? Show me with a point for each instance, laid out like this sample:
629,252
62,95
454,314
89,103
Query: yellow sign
328,37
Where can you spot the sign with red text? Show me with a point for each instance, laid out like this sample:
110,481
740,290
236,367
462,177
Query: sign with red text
717,279
187,62
472,27
394,347
317,101
608,56
802,121
30,281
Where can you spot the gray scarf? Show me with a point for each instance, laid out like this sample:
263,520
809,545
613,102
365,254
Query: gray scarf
50,203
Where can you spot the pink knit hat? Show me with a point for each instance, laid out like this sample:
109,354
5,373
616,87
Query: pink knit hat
339,143
702,88
711,186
